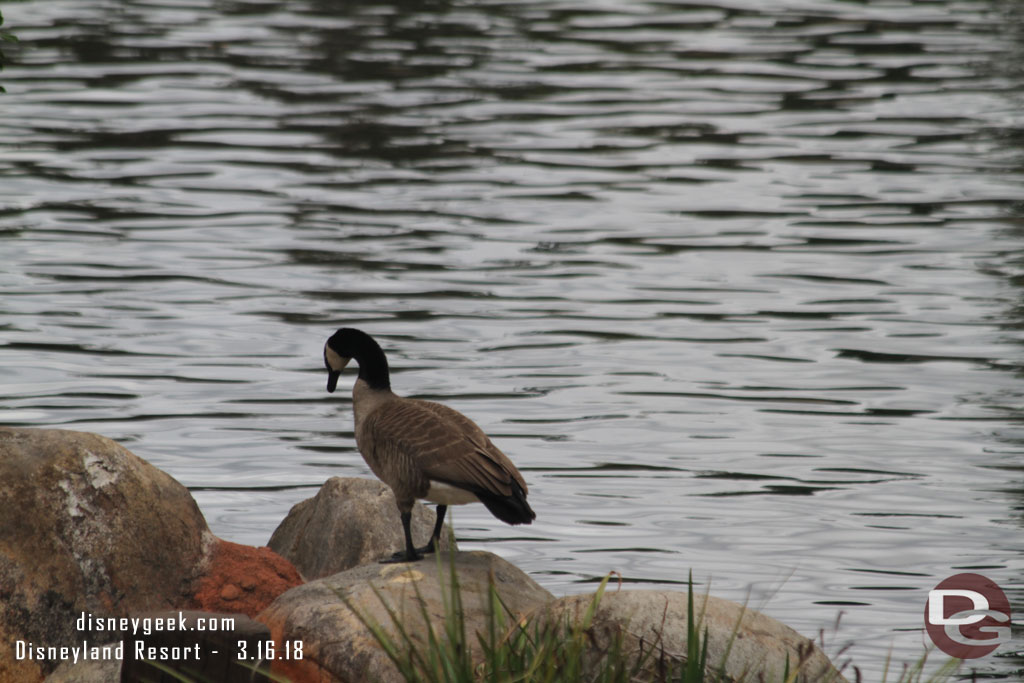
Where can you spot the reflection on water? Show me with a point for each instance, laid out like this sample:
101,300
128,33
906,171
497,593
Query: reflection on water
738,287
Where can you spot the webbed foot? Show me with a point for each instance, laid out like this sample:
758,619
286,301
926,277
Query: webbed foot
403,556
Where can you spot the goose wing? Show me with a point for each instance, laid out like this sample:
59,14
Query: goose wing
475,458
445,446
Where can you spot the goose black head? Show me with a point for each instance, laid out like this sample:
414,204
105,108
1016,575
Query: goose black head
348,343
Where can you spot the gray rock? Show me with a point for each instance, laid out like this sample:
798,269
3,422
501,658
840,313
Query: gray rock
752,646
86,527
337,644
102,671
349,522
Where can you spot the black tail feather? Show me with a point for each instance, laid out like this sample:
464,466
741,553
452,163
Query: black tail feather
510,509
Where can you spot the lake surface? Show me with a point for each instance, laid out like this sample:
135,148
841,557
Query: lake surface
739,286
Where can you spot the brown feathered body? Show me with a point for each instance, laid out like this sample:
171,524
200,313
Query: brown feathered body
427,450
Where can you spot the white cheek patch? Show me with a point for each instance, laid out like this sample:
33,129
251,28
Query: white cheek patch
335,361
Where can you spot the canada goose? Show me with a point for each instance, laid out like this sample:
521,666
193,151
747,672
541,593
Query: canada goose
422,449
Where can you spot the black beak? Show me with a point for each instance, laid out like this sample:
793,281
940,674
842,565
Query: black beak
332,380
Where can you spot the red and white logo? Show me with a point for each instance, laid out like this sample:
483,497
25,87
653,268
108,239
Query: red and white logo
967,616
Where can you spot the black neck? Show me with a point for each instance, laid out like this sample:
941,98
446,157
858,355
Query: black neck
373,364
373,367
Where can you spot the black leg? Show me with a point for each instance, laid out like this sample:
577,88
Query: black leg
410,554
435,538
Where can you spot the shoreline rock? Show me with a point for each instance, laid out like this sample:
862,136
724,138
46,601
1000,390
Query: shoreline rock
95,529
339,646
90,529
745,644
349,522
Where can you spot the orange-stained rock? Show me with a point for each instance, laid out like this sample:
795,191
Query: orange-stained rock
241,578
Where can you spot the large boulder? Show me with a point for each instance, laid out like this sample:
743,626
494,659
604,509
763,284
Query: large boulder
348,522
86,527
748,645
339,647
89,531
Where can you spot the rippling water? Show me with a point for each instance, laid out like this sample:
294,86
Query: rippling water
737,284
